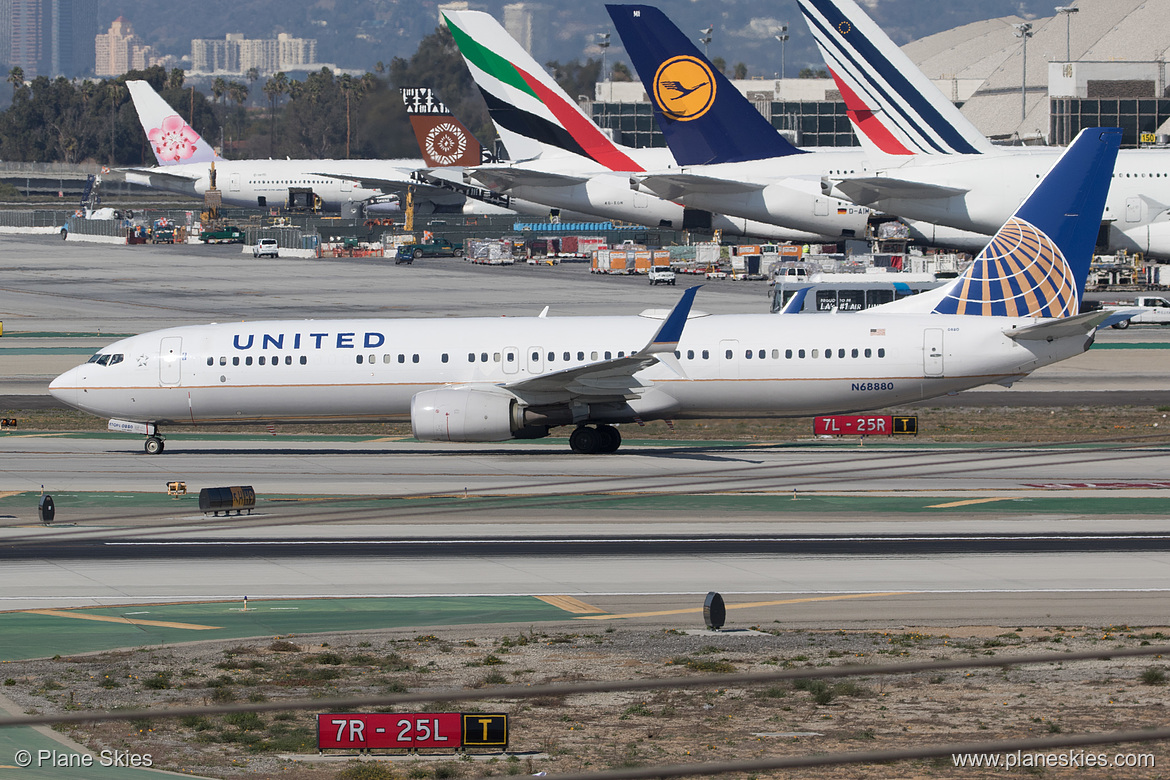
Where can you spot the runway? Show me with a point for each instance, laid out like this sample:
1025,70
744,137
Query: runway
821,533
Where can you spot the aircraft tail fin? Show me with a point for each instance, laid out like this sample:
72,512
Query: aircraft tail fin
532,113
442,138
894,108
704,117
1038,262
171,138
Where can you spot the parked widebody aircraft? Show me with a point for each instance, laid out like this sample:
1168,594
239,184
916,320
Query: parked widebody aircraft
185,166
563,159
940,171
493,379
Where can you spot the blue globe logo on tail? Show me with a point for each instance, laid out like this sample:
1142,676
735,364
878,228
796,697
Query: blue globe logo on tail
684,88
1021,273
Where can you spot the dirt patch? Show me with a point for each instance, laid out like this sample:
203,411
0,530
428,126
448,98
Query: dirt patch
604,731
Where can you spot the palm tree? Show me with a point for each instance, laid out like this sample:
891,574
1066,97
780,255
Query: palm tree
116,91
218,89
16,79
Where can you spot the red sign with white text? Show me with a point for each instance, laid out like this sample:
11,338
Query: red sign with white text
864,425
383,730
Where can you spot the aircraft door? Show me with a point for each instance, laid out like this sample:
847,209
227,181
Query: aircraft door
821,207
346,185
932,352
510,357
170,367
234,183
1133,209
535,360
728,359
640,200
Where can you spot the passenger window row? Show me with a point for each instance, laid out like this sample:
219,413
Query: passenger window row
762,354
262,360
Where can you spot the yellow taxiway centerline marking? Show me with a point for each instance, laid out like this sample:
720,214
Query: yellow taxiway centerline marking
569,604
115,619
691,610
970,501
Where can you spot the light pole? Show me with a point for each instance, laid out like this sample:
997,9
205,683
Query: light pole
782,36
603,44
1068,11
706,39
1024,31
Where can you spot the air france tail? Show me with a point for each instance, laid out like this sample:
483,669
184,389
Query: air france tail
1037,263
171,138
704,117
894,108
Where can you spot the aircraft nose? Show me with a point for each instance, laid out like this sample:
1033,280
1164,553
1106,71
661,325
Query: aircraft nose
64,388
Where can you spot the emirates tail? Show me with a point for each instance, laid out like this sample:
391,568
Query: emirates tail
442,138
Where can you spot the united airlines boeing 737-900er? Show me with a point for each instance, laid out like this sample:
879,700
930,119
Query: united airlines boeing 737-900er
921,159
1014,310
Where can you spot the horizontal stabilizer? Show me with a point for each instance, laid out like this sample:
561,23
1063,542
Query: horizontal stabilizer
1061,328
506,178
868,190
672,186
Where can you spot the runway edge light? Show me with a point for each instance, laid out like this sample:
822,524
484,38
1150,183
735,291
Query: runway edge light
714,612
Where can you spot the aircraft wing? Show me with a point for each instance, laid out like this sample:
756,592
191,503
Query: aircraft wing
676,185
613,380
385,184
867,190
503,178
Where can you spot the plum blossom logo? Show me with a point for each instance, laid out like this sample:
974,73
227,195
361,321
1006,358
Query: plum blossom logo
175,140
446,143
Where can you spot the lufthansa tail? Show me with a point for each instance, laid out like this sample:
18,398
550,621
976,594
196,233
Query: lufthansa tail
704,117
1037,263
894,108
171,138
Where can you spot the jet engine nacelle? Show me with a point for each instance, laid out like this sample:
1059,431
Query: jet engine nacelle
465,414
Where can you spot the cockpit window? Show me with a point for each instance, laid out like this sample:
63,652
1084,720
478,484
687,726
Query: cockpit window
106,360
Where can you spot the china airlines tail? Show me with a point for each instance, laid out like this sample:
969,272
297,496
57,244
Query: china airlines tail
894,108
442,138
171,138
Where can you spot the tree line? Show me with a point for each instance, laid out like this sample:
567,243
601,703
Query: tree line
323,115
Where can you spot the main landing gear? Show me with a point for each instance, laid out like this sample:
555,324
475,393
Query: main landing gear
154,445
590,441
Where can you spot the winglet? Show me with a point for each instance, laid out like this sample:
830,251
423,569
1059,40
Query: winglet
668,335
172,140
796,302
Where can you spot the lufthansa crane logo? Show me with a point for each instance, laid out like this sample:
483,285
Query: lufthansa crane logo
446,143
684,88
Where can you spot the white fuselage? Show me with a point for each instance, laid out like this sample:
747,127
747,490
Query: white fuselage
994,185
747,365
266,183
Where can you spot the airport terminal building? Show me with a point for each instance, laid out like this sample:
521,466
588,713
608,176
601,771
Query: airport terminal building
1101,65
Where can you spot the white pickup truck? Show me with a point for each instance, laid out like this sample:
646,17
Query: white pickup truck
1155,311
661,275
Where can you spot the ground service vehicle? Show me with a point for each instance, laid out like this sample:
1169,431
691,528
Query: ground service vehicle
661,275
266,247
1155,311
225,235
436,247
